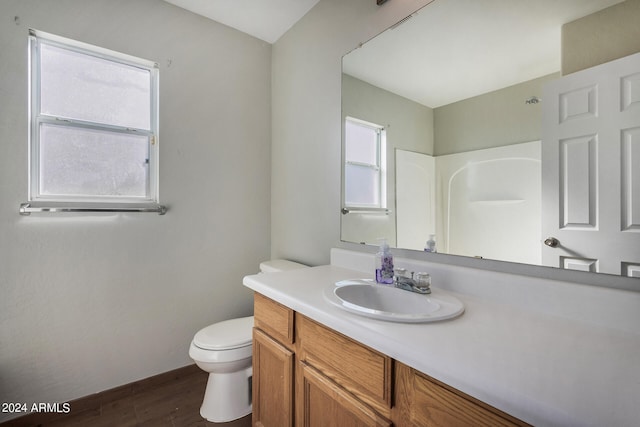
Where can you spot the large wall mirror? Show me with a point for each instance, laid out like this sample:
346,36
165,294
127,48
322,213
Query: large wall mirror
504,130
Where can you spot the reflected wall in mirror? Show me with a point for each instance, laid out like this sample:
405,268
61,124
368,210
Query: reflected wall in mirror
497,132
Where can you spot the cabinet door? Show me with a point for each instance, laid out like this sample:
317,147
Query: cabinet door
325,404
272,382
420,401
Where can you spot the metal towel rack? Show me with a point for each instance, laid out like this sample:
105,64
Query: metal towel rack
27,209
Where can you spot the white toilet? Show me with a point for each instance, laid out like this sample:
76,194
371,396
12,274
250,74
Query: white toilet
224,350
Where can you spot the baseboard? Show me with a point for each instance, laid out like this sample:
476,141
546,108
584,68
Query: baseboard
95,401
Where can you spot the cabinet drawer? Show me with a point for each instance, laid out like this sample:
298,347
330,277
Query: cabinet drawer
360,370
273,318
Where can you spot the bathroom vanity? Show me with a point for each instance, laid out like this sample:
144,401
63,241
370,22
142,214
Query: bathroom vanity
499,363
305,371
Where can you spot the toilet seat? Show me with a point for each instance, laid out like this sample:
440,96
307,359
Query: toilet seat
226,335
220,356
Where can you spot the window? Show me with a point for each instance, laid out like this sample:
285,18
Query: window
365,165
93,124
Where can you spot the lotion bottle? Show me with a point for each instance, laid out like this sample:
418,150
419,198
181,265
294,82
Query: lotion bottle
384,264
431,244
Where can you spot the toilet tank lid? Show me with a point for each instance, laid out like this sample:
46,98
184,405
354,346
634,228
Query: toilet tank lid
225,335
275,265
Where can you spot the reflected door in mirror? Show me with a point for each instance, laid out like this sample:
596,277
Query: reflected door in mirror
592,127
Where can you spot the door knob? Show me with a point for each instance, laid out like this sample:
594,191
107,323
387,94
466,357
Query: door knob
552,242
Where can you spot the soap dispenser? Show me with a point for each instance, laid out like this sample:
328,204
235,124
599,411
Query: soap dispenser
384,264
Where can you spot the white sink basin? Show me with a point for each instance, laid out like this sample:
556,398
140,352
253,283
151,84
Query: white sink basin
386,302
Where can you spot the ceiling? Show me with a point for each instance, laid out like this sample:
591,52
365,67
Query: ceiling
456,49
264,19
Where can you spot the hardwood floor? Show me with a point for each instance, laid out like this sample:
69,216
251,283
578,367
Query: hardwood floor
167,400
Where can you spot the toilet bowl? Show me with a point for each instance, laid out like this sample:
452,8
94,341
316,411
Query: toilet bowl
224,351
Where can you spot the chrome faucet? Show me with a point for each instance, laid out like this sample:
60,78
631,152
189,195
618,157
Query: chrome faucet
421,284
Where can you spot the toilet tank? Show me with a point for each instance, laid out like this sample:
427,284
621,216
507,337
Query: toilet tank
275,265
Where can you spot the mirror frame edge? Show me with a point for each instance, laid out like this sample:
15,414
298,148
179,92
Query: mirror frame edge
541,272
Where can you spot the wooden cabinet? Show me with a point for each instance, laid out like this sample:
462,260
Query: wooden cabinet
308,375
338,382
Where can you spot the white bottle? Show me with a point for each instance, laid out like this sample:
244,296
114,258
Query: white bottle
431,244
384,264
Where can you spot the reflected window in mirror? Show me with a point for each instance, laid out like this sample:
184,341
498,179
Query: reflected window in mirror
364,165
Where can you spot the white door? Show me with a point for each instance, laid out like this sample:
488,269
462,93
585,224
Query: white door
591,169
415,199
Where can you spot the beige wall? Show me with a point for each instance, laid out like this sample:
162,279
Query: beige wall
89,302
618,35
490,120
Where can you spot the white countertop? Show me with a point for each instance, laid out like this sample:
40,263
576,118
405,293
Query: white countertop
541,368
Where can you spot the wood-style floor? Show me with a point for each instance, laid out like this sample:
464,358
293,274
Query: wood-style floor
166,401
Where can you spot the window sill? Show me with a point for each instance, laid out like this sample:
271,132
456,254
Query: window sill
29,208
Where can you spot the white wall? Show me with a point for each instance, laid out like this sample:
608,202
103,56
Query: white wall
89,302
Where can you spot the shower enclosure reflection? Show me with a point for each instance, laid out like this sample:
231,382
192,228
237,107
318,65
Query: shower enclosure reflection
489,202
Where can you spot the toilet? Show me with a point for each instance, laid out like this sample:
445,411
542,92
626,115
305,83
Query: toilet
224,350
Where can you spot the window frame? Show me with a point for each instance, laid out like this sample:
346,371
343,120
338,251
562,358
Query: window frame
380,167
36,118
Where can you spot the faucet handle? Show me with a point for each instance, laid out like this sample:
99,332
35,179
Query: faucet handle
423,281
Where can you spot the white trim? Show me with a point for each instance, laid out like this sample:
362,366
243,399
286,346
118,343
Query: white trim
92,50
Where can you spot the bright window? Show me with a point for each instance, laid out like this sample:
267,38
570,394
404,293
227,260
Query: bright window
94,124
364,167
